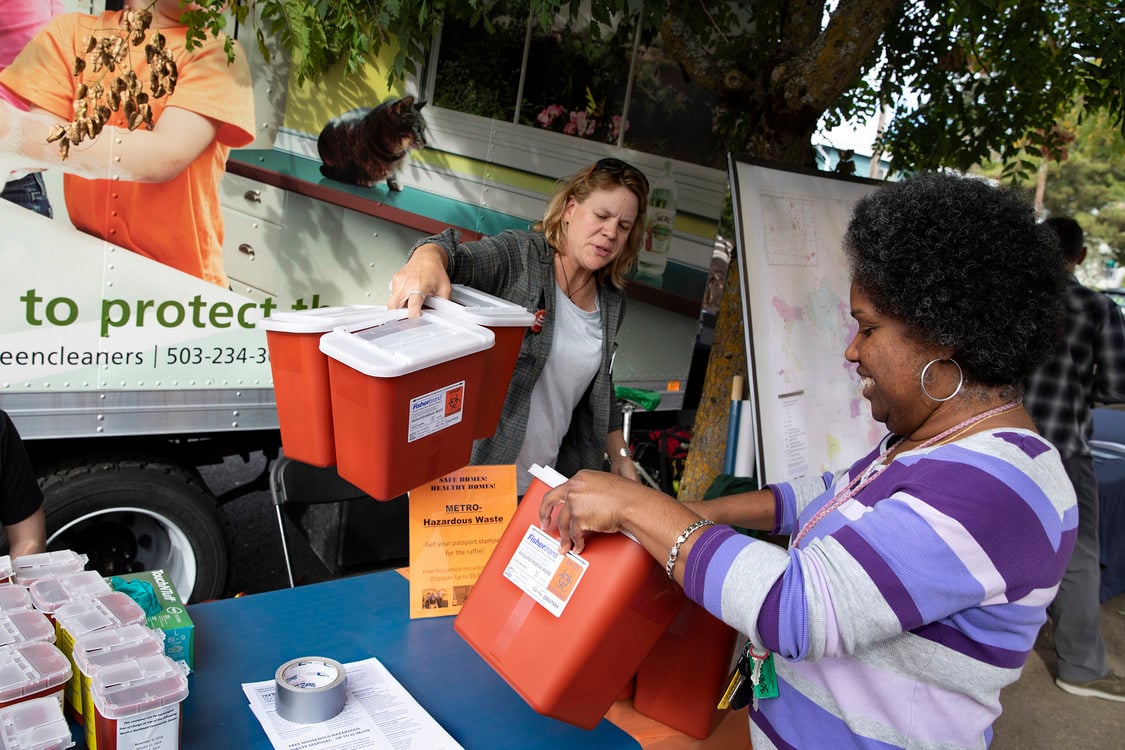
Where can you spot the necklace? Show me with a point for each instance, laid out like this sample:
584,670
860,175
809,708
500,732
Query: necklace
566,280
861,480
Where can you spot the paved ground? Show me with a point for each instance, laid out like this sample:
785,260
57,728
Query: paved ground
257,563
1036,714
1039,715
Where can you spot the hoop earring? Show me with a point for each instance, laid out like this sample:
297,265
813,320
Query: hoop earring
960,379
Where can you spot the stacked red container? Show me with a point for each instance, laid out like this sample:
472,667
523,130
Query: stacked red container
682,679
300,377
509,323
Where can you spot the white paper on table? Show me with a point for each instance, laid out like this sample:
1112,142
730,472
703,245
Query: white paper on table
379,714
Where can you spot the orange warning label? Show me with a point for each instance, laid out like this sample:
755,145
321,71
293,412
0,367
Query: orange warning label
454,400
566,576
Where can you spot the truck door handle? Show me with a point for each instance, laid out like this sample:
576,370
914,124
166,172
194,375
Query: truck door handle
246,249
254,196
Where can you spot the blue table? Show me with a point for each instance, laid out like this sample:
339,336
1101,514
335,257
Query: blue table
1109,466
245,639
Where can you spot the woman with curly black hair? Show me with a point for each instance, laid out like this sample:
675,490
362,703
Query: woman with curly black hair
916,581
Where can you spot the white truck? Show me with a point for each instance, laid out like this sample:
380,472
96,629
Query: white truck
125,376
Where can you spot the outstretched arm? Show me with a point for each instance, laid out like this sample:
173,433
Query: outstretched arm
599,502
29,536
140,155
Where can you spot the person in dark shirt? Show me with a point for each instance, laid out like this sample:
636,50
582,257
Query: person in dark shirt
1088,368
21,500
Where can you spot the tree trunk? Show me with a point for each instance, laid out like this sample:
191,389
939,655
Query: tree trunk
727,359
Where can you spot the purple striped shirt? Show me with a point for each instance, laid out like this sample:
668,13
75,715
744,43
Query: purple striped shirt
904,611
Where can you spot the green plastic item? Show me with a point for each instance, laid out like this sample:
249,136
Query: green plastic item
647,400
141,592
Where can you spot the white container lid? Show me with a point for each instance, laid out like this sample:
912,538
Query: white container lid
136,685
481,308
36,724
48,594
101,647
28,568
403,345
321,319
14,597
109,610
5,567
28,668
25,625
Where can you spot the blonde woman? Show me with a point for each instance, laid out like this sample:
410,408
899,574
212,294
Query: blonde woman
570,271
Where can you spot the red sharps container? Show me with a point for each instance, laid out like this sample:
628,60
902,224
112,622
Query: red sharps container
300,377
403,405
509,323
567,632
682,679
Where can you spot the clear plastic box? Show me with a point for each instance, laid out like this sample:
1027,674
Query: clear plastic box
29,568
14,598
103,647
146,690
48,594
36,724
25,625
32,670
78,619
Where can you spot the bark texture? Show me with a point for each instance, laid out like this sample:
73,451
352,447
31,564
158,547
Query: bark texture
728,359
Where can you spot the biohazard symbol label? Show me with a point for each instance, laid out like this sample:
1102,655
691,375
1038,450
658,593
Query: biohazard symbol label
567,574
454,400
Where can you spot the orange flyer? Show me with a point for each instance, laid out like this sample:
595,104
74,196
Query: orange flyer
455,522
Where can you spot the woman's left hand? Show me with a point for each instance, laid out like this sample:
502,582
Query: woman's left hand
623,466
620,459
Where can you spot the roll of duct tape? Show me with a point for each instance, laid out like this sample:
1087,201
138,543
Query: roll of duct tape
310,689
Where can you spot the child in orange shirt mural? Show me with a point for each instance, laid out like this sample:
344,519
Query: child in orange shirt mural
153,190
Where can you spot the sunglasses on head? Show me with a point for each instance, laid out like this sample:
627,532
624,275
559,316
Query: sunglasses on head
616,166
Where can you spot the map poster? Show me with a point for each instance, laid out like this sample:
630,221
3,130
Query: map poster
806,398
455,522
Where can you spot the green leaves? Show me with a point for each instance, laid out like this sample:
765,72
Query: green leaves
966,79
1005,72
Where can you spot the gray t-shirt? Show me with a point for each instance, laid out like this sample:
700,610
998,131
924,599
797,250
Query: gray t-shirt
572,364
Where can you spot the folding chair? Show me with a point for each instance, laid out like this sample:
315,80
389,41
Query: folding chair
296,482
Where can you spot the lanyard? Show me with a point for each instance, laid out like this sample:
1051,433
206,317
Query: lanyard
864,478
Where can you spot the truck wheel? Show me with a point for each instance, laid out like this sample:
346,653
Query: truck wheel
132,515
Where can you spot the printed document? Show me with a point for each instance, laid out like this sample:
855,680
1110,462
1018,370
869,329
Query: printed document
379,715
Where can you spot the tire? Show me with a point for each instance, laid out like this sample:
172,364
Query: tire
129,515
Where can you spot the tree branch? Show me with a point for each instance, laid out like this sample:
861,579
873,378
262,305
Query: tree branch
815,78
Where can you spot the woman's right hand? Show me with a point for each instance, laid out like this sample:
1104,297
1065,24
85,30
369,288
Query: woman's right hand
424,275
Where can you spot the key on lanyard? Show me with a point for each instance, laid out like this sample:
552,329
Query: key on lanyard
737,679
763,678
753,678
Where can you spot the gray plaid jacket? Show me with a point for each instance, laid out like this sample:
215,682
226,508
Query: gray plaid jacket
519,266
1088,368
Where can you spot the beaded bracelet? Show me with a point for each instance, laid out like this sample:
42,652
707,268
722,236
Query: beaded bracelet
683,537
